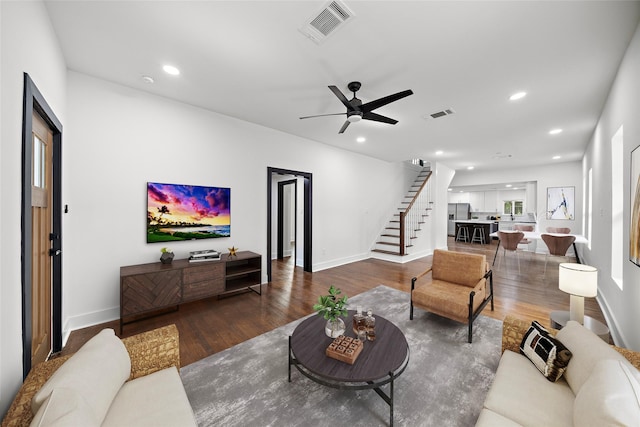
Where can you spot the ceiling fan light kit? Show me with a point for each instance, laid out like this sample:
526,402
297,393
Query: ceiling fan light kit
357,111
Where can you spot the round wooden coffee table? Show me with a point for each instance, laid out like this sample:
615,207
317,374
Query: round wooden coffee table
380,362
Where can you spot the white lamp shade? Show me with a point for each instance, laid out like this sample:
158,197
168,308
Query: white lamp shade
578,279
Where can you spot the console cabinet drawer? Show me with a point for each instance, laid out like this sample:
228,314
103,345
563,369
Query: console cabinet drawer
211,270
205,289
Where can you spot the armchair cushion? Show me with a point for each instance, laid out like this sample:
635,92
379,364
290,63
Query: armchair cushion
458,267
449,299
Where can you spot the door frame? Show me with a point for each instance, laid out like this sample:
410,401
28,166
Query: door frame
34,101
307,215
280,239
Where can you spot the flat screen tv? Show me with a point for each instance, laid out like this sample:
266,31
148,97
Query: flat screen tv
187,212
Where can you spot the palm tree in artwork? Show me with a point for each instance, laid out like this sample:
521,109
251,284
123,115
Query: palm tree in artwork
163,210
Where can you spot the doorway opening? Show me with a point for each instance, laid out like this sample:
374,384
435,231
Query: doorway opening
285,210
41,227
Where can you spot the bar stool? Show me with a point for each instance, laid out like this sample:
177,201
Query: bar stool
478,235
463,233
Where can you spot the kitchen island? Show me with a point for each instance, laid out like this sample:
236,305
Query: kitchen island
489,226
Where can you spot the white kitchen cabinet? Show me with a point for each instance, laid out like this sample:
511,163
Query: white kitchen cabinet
457,197
491,201
476,200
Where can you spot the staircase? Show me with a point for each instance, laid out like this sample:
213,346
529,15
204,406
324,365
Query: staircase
402,229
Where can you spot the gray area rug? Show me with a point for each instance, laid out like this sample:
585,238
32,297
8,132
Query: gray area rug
444,384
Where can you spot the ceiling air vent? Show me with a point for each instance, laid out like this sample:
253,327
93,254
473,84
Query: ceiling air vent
439,114
321,25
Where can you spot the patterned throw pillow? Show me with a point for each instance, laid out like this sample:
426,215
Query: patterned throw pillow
545,352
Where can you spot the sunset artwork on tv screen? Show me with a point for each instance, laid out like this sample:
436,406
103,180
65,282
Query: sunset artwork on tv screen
187,212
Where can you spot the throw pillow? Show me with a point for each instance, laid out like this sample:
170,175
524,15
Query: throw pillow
545,352
609,397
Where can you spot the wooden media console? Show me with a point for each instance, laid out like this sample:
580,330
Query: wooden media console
148,288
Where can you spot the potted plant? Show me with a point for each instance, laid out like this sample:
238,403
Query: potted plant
166,256
332,307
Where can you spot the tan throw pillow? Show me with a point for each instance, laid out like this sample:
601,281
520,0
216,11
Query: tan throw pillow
545,352
96,372
609,397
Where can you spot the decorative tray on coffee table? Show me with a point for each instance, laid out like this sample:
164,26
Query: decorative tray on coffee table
345,349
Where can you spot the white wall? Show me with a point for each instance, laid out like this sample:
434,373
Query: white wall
622,307
552,175
27,44
117,139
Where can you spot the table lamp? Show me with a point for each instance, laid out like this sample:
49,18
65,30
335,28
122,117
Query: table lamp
579,281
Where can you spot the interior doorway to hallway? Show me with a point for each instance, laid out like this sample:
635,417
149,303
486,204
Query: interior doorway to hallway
289,212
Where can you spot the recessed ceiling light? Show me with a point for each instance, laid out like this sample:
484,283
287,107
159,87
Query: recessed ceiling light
508,185
555,131
449,189
147,79
556,157
518,95
469,167
439,152
170,69
361,139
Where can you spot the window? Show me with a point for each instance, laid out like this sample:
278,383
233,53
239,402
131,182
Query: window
590,209
513,207
617,203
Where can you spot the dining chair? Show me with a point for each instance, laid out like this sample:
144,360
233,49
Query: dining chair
560,230
558,246
509,241
522,227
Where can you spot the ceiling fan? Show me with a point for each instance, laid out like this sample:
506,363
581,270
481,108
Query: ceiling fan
357,111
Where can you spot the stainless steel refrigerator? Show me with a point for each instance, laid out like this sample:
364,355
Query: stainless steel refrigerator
457,211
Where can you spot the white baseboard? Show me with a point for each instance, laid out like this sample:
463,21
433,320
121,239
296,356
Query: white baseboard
338,262
88,319
616,335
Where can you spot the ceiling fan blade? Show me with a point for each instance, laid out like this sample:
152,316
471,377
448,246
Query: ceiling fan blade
370,106
378,118
344,126
341,97
323,115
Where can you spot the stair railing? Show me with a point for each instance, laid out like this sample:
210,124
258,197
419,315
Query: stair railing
413,216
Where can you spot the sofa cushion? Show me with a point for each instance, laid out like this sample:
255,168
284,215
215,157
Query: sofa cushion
155,400
609,397
64,407
96,372
522,395
546,353
587,350
489,418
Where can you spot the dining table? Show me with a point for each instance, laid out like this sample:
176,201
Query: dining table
534,235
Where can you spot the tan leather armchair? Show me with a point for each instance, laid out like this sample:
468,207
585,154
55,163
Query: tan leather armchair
457,288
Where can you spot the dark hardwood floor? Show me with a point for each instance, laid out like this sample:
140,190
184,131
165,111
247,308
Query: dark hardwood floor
209,326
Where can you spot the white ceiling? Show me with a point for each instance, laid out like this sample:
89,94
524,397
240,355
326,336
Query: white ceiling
248,59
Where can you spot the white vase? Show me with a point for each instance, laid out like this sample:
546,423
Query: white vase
334,328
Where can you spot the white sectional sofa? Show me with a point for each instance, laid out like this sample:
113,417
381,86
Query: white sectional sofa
108,382
600,386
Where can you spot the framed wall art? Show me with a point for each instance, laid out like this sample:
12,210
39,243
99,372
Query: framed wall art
561,203
634,223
